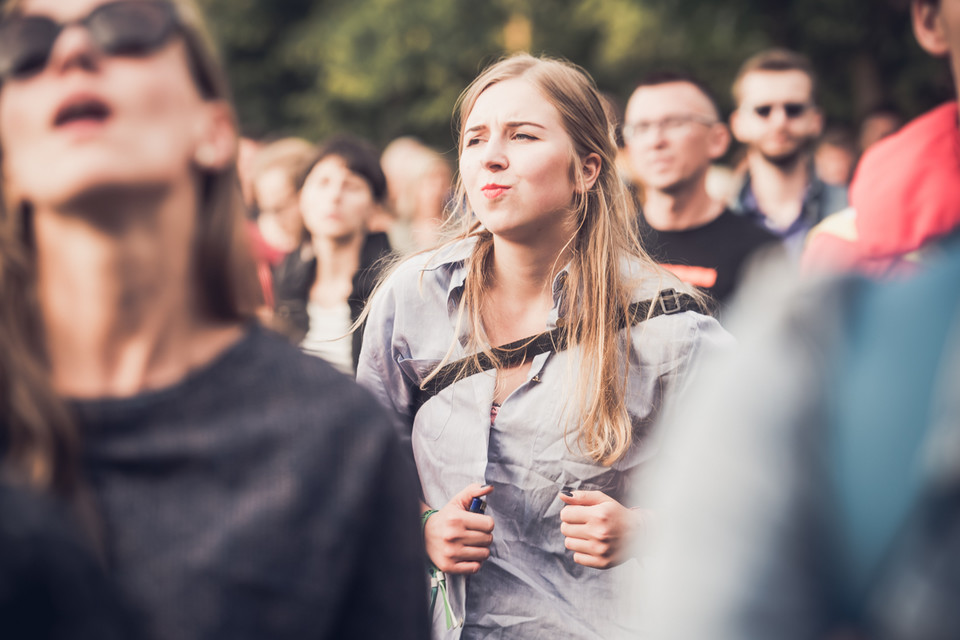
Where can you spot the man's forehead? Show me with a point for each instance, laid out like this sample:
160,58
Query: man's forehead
672,97
762,87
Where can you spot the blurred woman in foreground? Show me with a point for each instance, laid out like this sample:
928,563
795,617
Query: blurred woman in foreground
233,480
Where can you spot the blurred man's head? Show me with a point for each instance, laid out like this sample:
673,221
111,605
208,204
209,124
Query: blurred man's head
877,124
672,132
936,24
777,115
836,156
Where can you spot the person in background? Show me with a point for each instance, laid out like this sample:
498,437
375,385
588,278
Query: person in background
270,174
836,156
419,180
905,197
247,150
550,438
673,133
778,120
238,488
877,124
322,286
276,169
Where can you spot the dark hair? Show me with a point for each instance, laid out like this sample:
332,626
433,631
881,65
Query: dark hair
839,136
883,109
361,158
776,60
660,77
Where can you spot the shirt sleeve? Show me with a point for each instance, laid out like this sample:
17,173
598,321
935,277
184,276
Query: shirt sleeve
378,369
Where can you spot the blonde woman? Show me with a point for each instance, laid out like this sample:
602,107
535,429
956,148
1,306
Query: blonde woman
234,481
549,439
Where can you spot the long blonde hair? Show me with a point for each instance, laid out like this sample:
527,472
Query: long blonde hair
37,437
598,284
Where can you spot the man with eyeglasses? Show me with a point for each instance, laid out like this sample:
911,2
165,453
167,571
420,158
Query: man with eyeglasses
778,120
672,133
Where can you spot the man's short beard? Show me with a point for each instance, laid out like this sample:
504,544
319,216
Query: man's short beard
791,159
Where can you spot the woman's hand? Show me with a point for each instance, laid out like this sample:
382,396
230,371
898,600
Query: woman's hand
598,529
458,541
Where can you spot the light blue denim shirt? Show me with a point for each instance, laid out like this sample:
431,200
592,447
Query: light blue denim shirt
530,587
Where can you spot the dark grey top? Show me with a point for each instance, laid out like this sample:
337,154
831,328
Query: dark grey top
263,496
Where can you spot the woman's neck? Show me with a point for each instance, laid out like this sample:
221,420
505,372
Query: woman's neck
520,291
337,258
117,298
524,271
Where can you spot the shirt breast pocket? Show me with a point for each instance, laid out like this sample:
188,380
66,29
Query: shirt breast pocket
434,414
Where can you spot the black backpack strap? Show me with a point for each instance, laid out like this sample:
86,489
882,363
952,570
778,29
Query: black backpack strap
668,302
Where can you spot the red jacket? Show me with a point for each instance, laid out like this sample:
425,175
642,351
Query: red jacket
906,192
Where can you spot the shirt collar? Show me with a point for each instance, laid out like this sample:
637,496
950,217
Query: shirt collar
747,203
455,258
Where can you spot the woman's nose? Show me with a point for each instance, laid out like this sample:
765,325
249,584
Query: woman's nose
495,154
337,191
74,47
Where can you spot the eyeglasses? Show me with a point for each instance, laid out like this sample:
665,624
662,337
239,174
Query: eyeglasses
665,125
790,109
122,28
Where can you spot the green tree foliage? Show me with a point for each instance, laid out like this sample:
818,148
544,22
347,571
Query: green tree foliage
384,68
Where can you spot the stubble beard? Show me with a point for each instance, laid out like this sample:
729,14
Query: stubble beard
790,159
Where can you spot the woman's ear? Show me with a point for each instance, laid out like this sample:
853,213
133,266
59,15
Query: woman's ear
590,170
216,146
928,27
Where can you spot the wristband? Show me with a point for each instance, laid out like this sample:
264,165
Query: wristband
423,519
438,582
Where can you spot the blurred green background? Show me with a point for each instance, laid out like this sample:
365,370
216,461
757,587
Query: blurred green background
384,68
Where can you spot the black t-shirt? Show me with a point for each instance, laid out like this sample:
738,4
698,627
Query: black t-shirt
263,496
709,257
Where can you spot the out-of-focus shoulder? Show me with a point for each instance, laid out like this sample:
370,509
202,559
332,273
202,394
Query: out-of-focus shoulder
648,278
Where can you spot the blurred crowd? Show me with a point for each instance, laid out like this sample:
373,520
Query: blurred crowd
286,388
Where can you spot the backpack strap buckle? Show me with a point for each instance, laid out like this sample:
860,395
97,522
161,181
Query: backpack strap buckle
669,301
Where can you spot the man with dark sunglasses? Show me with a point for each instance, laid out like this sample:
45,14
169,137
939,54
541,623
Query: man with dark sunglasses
778,120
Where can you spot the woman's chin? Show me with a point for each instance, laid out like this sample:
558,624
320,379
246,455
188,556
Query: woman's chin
94,188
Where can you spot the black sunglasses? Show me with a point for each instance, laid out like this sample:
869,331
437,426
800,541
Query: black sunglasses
791,109
122,28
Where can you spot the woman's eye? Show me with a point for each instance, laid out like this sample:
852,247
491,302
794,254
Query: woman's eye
523,136
472,142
